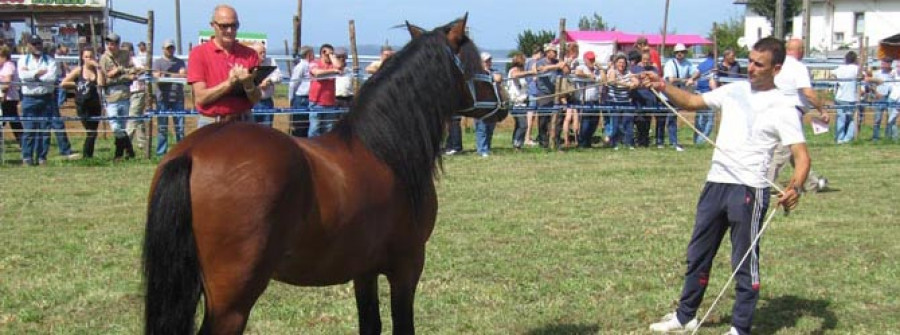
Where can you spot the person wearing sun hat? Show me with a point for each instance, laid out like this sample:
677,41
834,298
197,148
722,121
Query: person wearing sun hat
678,71
484,130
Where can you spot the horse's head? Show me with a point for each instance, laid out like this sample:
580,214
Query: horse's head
483,98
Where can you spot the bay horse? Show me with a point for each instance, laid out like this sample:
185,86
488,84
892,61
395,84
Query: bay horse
235,205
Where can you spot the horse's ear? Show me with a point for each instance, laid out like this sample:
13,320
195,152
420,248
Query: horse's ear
458,32
414,31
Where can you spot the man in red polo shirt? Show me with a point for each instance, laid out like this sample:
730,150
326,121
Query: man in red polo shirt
219,72
322,100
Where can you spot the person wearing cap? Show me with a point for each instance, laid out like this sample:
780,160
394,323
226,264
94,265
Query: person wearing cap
343,84
298,92
219,72
39,74
484,130
266,87
678,72
322,99
117,65
169,95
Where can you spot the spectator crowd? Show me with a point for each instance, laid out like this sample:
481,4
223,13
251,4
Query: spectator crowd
561,98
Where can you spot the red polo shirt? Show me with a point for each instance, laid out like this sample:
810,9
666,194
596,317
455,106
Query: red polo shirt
210,64
321,92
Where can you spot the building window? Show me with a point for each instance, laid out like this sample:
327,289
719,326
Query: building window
838,37
859,23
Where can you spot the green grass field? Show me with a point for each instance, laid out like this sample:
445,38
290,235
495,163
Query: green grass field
537,242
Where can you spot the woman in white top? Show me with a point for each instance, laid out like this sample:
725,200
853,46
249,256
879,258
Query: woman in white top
9,93
517,90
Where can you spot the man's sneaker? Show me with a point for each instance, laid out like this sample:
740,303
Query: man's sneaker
821,184
733,331
679,148
669,323
72,156
660,146
450,152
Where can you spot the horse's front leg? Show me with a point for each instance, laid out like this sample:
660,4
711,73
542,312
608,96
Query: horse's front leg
403,280
366,289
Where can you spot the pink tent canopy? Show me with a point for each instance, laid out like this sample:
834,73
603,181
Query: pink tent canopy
628,38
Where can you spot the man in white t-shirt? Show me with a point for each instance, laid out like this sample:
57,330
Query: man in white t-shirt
756,117
793,81
883,82
846,96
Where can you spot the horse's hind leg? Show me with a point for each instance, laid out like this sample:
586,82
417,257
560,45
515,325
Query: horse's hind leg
229,299
366,288
403,279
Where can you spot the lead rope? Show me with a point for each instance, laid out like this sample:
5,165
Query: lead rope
761,230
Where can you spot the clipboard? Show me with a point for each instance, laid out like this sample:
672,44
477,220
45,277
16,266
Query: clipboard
261,72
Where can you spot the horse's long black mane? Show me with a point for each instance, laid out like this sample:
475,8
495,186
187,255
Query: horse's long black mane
401,111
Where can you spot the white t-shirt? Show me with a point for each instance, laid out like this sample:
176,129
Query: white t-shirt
895,87
793,77
753,124
591,92
847,90
885,88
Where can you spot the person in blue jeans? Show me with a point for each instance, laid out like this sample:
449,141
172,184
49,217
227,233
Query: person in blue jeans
846,97
705,77
169,96
484,130
38,72
883,81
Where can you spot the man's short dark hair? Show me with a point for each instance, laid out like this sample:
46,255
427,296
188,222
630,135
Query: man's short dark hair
326,46
634,56
773,45
850,57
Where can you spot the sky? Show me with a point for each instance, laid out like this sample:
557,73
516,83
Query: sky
494,24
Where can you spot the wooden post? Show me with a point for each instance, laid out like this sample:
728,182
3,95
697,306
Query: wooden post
148,96
778,25
662,46
715,49
806,25
178,26
298,20
863,70
559,54
355,55
290,61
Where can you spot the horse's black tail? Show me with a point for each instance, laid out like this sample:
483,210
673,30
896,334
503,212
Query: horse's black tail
171,269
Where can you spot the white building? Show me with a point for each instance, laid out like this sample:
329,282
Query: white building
834,23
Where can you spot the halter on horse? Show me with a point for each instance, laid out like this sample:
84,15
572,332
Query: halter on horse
235,205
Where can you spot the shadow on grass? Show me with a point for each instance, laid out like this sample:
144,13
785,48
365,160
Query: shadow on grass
785,312
565,329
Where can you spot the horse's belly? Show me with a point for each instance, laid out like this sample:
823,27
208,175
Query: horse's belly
310,268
